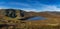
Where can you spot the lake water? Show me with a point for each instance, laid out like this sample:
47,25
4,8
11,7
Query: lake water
37,18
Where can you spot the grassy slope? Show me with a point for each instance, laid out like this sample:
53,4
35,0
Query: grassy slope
39,24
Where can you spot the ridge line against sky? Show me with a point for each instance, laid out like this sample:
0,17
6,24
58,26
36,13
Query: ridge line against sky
31,5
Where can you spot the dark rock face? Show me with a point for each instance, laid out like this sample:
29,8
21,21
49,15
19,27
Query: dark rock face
21,13
10,13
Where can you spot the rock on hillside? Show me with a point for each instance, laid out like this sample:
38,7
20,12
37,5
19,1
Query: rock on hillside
11,13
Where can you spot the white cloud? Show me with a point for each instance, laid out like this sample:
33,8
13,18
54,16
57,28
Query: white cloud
19,4
29,9
44,8
51,8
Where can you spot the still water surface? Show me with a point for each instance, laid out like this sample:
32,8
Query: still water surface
37,18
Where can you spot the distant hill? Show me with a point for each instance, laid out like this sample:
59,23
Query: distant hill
45,14
28,14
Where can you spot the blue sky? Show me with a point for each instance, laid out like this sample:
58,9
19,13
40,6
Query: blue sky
32,5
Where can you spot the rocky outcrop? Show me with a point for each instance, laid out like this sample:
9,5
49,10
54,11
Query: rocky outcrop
11,13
